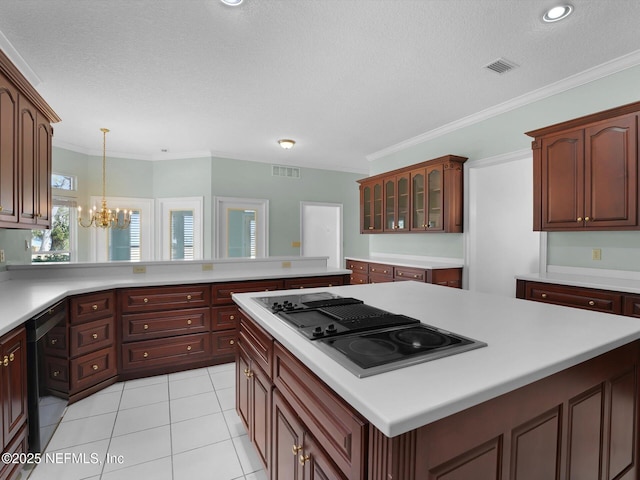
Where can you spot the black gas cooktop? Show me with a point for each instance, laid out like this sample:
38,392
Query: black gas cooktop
365,339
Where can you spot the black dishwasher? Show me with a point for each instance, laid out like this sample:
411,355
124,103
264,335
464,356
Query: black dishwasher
47,341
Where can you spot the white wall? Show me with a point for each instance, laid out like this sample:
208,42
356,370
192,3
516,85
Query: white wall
500,242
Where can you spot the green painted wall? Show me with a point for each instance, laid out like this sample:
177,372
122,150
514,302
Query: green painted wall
503,134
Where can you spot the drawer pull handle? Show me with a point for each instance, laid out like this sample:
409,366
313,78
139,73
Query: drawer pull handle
232,317
53,341
301,286
189,322
56,373
544,295
302,459
296,449
145,326
188,297
331,285
586,219
95,307
579,219
95,367
592,303
416,276
399,274
94,336
145,354
5,361
146,300
232,342
50,312
188,348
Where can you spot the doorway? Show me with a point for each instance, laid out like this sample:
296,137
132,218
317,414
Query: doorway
242,227
321,231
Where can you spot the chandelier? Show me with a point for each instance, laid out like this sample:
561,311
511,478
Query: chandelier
105,217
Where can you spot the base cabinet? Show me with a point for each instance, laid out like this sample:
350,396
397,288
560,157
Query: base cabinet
366,272
13,397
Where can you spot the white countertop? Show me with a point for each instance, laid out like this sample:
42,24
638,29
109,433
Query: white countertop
526,341
628,285
36,288
415,262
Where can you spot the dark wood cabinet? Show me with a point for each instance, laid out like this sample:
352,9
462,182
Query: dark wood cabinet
25,151
425,197
13,397
365,272
586,172
312,282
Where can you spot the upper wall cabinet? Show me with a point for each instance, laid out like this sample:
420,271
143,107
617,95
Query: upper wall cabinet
586,172
25,152
426,197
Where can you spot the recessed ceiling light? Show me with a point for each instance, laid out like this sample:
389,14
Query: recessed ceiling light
557,13
232,3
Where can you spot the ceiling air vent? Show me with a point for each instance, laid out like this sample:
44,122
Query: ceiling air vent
284,171
501,66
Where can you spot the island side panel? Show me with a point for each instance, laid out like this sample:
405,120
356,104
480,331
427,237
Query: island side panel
579,423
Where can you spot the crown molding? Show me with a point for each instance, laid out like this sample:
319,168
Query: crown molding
500,159
603,70
17,59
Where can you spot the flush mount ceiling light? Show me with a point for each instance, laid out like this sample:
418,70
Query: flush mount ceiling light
557,13
232,3
286,143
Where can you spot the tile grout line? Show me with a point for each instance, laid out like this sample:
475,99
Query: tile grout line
113,428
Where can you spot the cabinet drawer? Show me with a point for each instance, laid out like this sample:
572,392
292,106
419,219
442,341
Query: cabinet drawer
588,299
380,270
447,277
225,318
143,326
359,279
93,368
55,342
311,282
632,305
91,307
57,373
163,298
257,342
224,343
339,429
91,336
407,273
221,292
166,351
358,267
373,278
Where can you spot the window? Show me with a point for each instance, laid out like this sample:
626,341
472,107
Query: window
57,244
242,227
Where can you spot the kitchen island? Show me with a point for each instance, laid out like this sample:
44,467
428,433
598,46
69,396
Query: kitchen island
553,395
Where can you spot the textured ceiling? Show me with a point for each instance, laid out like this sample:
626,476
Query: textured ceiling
344,78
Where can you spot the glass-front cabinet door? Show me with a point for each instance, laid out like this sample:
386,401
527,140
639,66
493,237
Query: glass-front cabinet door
396,203
418,200
434,198
371,201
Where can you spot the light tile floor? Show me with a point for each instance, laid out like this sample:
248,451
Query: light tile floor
169,427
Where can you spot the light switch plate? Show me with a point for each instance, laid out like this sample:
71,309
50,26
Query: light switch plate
596,254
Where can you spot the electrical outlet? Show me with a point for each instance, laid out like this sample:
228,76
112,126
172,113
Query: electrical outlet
286,264
2,259
295,244
596,254
207,267
140,269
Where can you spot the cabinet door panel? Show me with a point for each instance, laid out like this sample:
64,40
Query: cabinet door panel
242,386
13,350
27,161
611,173
288,442
43,172
8,151
563,180
435,198
260,420
418,200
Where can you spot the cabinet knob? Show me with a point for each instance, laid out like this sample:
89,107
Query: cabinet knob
0,208
591,303
145,326
95,367
188,348
302,459
232,317
370,228
53,341
579,219
296,449
232,342
145,354
246,372
56,373
399,274
94,336
544,295
189,322
416,276
188,297
146,300
94,307
586,219
5,361
12,357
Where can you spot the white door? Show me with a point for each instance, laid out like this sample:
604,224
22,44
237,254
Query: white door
321,231
242,227
180,232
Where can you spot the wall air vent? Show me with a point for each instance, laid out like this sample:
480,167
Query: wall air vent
284,171
501,66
